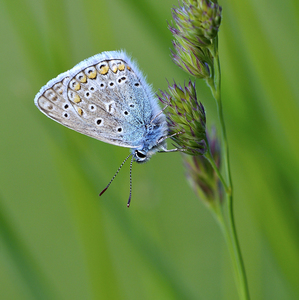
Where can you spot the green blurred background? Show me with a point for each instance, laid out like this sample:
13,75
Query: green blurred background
59,240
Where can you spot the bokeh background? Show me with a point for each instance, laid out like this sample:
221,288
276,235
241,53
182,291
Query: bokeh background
59,240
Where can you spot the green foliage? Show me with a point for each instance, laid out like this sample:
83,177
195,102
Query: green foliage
59,240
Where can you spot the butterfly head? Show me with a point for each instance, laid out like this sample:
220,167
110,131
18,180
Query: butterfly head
145,153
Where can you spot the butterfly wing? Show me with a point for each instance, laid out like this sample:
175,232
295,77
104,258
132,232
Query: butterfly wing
104,97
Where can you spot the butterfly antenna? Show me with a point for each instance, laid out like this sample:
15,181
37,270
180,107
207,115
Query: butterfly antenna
104,190
131,164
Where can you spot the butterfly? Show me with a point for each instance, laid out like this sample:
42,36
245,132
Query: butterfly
107,97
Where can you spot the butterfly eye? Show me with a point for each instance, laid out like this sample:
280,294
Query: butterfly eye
140,155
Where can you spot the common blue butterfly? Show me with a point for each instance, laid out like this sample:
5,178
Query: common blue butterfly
107,97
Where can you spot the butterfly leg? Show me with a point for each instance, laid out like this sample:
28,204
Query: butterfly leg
171,150
169,136
160,113
164,150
